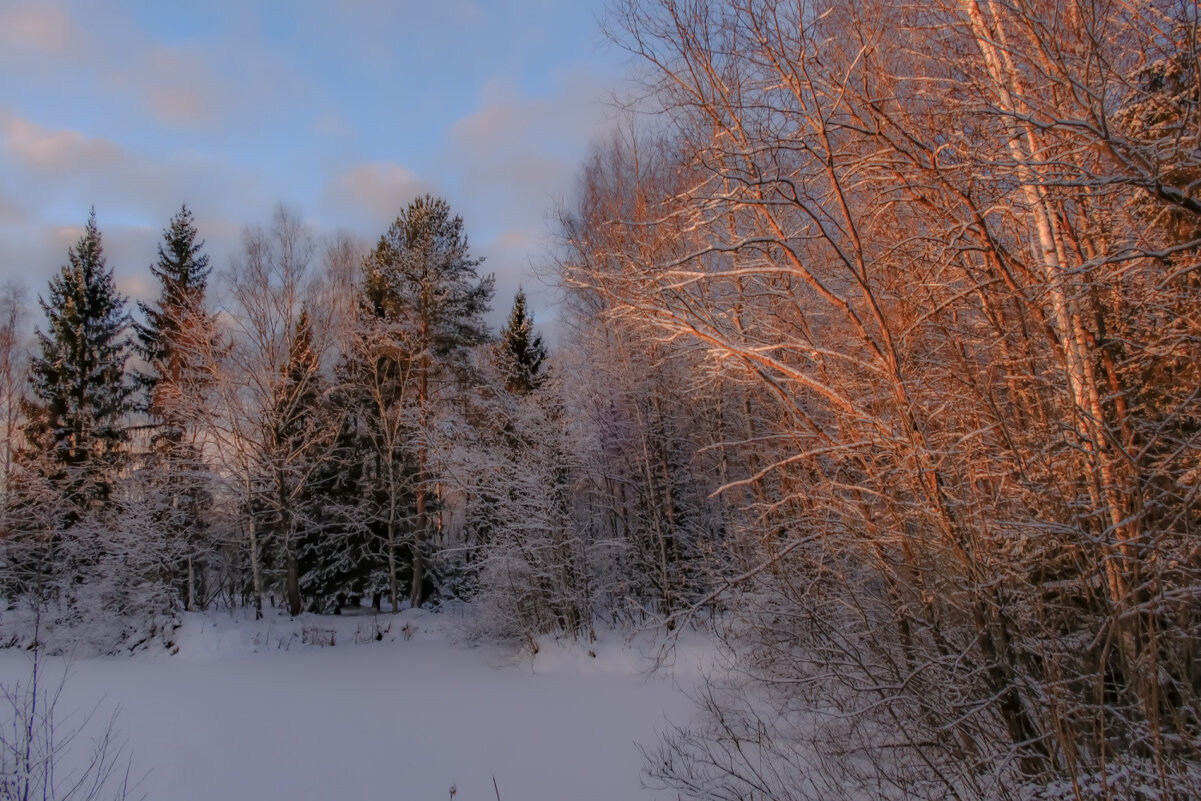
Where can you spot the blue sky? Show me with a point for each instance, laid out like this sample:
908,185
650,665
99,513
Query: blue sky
342,110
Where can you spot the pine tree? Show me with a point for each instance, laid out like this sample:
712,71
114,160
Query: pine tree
79,392
519,353
174,341
424,298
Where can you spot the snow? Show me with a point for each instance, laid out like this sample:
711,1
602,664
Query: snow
274,710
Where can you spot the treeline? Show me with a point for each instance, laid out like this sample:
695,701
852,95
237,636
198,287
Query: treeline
329,426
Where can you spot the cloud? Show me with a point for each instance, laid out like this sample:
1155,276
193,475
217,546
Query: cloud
61,173
513,159
138,287
55,151
46,27
510,161
527,149
467,12
179,89
33,260
114,58
334,126
56,166
379,190
205,89
519,239
10,211
517,258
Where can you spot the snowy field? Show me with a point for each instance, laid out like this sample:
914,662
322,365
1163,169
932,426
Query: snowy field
299,710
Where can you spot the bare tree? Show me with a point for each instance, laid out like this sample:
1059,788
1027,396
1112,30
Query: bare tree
533,570
13,362
916,229
263,434
378,376
36,744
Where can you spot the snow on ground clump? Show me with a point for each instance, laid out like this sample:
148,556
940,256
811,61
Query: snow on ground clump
388,706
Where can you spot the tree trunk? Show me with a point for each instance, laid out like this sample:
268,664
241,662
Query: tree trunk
292,584
415,595
189,602
419,538
393,584
256,577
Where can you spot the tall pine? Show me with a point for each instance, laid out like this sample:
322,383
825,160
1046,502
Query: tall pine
422,288
79,396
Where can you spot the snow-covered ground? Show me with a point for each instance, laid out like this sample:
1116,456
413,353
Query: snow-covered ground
318,708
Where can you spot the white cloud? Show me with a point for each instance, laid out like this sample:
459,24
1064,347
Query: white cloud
53,150
61,173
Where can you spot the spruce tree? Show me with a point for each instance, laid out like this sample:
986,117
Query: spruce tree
299,446
174,342
176,327
520,352
336,562
79,394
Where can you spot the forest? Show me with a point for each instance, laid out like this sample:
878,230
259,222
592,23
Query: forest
879,359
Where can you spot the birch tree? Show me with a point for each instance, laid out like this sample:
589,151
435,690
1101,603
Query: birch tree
13,362
261,425
915,227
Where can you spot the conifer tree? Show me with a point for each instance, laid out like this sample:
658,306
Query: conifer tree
79,394
335,560
423,293
520,352
374,391
174,341
78,545
299,441
177,325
